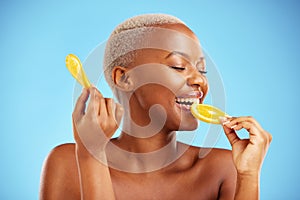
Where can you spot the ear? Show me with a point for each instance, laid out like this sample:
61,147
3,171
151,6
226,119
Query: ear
121,78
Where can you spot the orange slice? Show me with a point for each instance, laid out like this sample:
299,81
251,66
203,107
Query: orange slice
75,67
207,113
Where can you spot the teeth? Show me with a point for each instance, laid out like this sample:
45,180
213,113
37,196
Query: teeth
187,100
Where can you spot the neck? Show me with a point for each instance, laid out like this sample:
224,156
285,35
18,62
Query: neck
139,155
145,143
156,142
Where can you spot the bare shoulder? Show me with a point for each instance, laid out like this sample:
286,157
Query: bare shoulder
59,178
219,155
221,165
62,151
217,158
211,171
212,158
60,157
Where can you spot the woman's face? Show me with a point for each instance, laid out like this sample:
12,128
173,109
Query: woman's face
173,80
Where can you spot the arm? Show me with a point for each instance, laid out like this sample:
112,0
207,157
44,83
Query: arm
247,186
92,129
95,180
248,154
73,171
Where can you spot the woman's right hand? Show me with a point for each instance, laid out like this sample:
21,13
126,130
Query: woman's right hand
93,127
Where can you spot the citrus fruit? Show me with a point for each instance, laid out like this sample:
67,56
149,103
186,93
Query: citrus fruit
207,113
75,67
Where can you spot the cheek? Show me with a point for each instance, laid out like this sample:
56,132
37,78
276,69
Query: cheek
157,74
151,94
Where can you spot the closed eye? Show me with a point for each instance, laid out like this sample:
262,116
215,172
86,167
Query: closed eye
203,72
178,68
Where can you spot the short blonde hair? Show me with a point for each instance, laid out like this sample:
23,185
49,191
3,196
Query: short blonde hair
114,47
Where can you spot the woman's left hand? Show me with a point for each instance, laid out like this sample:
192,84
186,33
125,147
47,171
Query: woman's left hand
248,154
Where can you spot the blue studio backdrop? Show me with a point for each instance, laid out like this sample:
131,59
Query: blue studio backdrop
255,45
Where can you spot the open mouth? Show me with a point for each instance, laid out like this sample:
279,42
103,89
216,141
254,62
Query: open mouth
185,101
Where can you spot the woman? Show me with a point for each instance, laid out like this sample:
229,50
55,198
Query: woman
156,69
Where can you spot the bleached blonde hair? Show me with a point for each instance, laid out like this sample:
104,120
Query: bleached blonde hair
115,50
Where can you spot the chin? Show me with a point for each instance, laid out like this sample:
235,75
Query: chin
191,126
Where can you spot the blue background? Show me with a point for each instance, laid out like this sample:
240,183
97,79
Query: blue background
255,45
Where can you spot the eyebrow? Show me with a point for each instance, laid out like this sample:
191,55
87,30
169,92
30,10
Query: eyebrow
187,57
177,53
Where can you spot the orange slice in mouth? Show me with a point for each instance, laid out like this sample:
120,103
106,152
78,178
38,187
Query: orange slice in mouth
207,113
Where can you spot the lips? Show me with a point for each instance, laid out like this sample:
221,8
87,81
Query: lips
185,101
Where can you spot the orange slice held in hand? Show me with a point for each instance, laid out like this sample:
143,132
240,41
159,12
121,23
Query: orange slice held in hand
207,113
75,67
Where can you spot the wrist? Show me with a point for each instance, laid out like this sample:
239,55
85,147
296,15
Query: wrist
252,172
248,173
249,178
247,186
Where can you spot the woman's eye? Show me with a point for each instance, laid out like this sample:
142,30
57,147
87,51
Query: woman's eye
178,68
203,72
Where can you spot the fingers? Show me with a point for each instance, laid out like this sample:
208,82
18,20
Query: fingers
249,119
231,135
79,109
248,123
101,110
110,107
119,111
94,104
251,125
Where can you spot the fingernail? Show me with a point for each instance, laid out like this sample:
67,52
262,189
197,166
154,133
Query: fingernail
233,126
223,120
226,122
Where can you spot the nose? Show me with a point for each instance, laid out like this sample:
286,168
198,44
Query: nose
196,80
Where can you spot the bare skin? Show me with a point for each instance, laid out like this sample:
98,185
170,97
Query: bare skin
187,178
71,172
